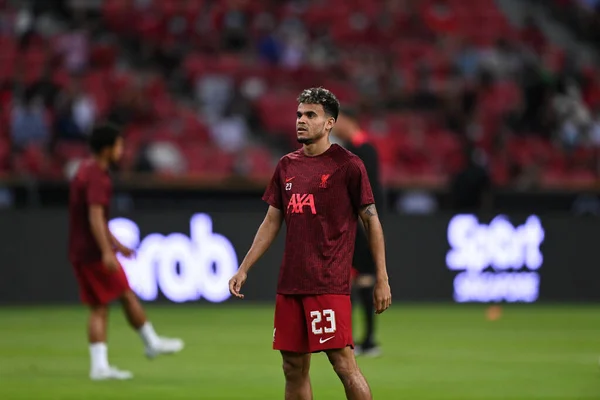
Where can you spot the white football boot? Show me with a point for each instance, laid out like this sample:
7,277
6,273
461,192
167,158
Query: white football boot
164,346
110,373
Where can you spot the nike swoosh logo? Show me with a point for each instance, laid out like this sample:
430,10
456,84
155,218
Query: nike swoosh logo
289,179
325,340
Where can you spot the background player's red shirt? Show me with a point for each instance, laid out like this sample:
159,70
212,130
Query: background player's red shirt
320,197
91,185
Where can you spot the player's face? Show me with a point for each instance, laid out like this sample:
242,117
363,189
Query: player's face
117,150
312,123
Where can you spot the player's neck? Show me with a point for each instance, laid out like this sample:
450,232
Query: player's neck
104,164
316,148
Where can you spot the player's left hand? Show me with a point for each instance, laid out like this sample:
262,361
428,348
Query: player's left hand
125,251
236,283
382,296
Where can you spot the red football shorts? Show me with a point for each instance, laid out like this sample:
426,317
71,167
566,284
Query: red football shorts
309,324
98,285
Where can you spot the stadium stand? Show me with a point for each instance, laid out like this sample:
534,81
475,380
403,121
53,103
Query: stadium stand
207,88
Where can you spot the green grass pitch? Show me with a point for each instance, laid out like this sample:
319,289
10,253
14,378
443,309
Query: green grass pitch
432,352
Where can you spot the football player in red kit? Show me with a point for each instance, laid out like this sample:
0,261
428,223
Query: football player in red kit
92,252
320,191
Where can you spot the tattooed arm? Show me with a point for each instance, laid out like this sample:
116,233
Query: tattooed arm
370,220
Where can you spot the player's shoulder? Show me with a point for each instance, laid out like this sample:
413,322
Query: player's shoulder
89,170
292,156
83,169
344,156
338,155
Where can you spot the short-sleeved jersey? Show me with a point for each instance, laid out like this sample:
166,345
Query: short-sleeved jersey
91,185
320,197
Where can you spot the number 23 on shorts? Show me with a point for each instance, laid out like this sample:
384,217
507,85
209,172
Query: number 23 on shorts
323,321
329,322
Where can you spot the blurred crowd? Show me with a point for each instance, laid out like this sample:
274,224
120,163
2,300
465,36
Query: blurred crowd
582,17
207,88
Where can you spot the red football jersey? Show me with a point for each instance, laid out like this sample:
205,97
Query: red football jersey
91,185
320,197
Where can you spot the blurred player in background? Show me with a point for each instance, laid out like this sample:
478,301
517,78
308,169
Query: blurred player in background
356,141
320,191
92,252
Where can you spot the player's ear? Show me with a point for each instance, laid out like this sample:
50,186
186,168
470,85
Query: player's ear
330,123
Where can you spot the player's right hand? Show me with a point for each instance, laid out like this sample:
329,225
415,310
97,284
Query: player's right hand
236,283
382,296
125,251
109,259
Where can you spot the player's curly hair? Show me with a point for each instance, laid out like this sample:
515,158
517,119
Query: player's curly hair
103,136
321,96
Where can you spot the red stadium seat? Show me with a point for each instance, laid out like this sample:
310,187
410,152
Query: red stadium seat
32,160
4,155
261,163
278,112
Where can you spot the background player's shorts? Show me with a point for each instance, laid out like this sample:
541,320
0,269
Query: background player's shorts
309,324
98,285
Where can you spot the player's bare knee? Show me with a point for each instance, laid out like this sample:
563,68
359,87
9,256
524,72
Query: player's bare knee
295,367
343,362
128,297
291,370
99,310
344,368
